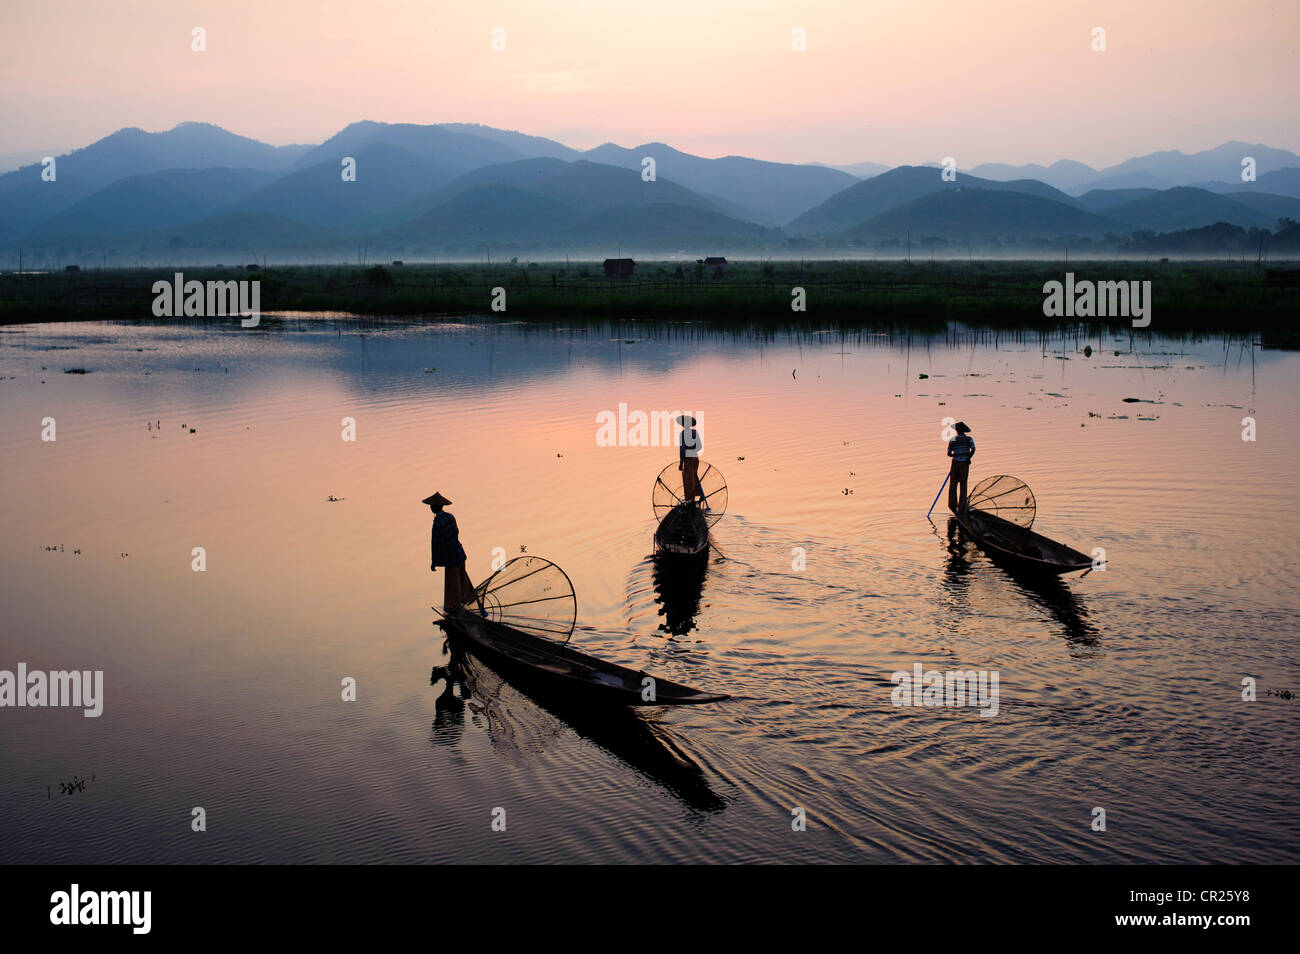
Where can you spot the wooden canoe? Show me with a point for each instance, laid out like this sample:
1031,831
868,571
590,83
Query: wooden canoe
548,666
683,531
1021,550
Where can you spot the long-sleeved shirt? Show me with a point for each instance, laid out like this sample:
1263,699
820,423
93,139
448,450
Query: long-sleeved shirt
961,448
444,542
691,444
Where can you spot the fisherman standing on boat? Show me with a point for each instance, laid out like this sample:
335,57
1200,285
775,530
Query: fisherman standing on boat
689,459
445,551
961,449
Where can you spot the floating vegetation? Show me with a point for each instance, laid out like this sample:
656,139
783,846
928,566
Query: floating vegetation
68,788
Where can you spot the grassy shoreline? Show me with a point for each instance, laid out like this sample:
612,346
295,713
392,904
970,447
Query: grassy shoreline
1207,296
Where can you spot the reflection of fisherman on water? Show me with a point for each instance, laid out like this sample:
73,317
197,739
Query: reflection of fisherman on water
957,566
961,449
445,551
689,459
679,588
449,706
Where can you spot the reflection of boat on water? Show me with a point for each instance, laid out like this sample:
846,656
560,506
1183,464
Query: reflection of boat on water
679,587
999,513
520,619
1047,590
1052,593
685,521
520,718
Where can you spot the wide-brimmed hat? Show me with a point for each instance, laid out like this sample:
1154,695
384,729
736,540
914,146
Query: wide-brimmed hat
686,421
961,428
436,499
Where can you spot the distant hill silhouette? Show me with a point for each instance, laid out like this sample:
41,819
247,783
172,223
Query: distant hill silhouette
545,199
592,187
1131,180
1221,164
484,213
872,197
165,195
1099,200
1157,170
1064,174
981,214
533,146
775,191
1281,182
863,170
155,200
1278,182
317,194
456,152
1273,206
521,173
1185,208
26,201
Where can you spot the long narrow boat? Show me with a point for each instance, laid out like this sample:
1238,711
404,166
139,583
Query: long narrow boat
1019,549
549,666
683,531
685,519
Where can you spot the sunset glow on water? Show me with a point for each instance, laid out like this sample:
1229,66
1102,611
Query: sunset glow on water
1121,688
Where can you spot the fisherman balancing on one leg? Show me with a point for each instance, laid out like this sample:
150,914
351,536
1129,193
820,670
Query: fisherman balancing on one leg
961,449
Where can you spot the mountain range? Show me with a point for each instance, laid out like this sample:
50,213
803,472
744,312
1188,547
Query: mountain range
198,192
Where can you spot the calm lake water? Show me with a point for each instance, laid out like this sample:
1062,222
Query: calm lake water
1121,690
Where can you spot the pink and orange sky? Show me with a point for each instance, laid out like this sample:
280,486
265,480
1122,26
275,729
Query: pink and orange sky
890,81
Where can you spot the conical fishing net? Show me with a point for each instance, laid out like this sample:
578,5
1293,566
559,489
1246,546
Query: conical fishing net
529,594
1007,497
669,492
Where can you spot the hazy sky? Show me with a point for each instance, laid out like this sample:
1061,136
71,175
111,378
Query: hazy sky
890,81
